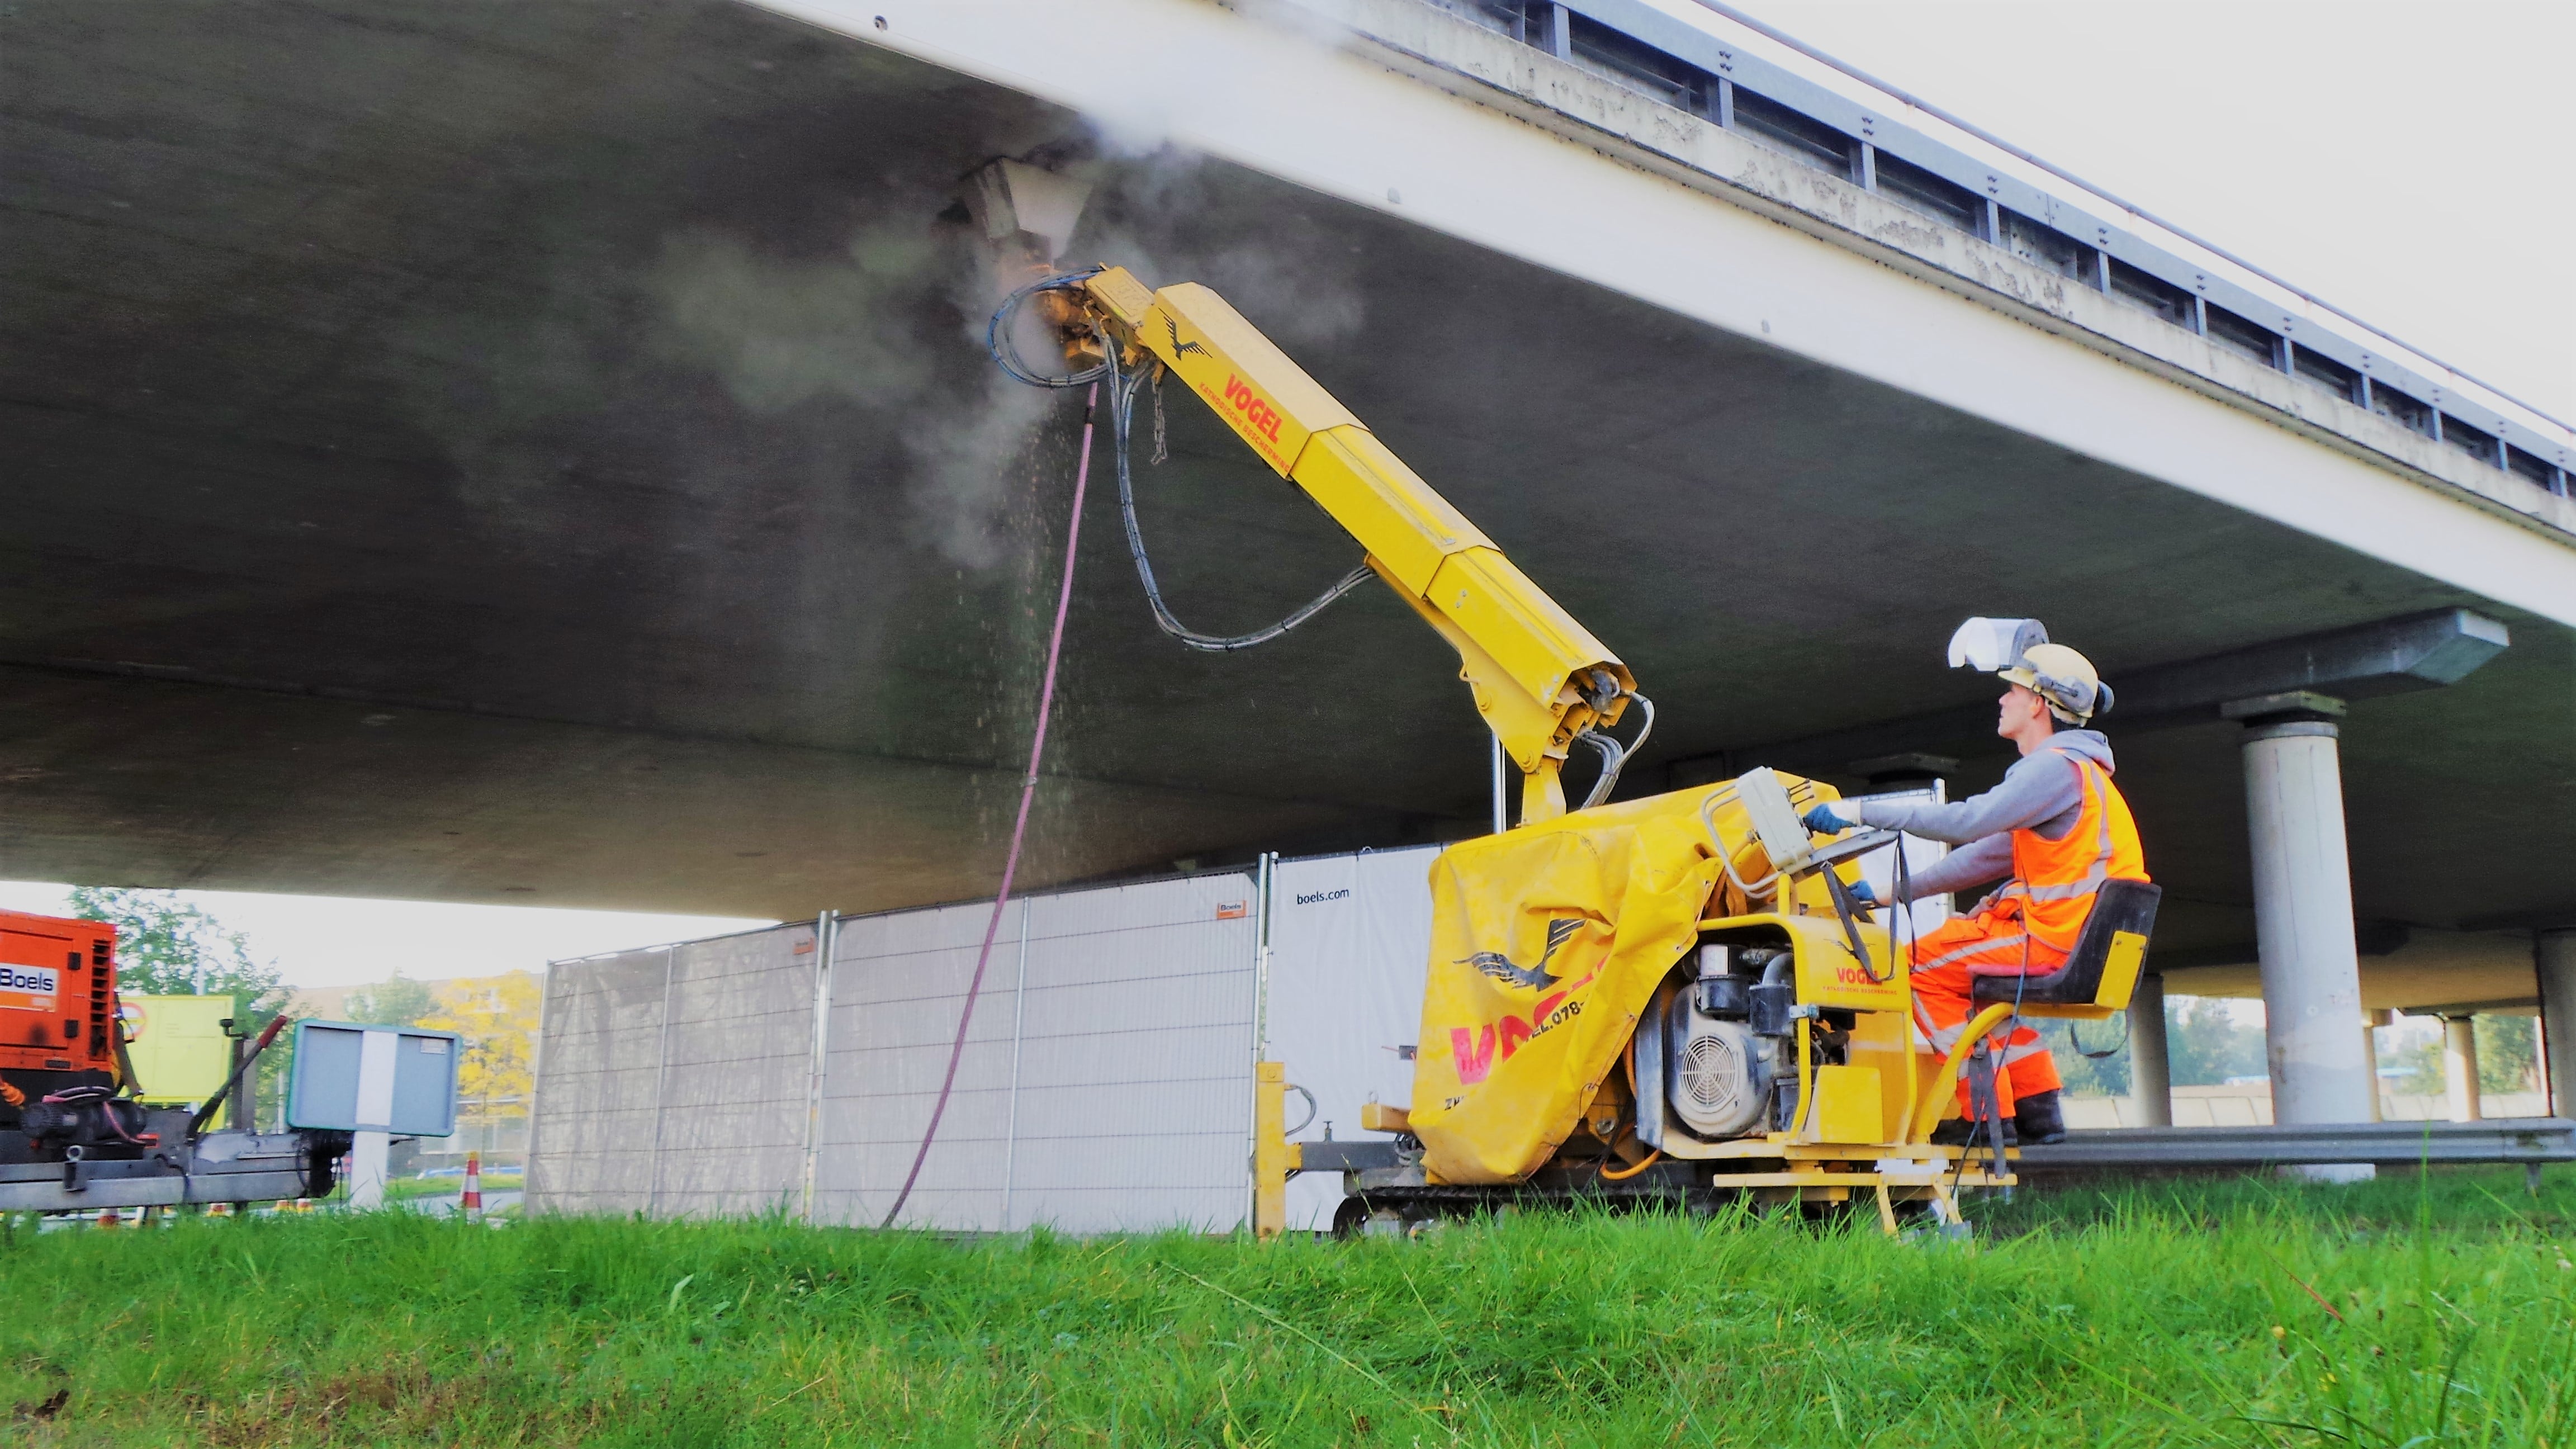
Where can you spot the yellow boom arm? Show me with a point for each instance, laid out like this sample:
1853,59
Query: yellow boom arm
1539,677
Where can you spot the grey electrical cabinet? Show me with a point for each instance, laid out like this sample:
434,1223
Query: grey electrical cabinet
352,1077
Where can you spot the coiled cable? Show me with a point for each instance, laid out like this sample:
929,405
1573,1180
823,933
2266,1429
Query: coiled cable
1122,406
1122,387
1005,350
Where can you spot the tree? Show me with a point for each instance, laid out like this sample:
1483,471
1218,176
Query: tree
400,1001
166,947
2205,1044
497,1017
2090,1076
2414,1050
2508,1053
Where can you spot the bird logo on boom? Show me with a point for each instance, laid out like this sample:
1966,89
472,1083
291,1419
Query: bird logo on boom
1538,977
1180,348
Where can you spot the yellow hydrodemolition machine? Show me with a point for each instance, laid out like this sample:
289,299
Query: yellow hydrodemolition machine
1671,998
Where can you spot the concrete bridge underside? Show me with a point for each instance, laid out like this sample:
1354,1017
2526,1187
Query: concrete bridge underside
540,454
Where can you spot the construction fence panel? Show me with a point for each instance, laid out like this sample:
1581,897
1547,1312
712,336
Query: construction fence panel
1106,1080
1133,1108
1350,942
898,985
599,1063
731,1131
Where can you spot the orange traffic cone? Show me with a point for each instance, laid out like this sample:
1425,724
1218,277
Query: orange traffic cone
472,1203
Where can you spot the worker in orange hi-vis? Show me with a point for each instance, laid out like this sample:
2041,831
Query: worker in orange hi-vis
2052,832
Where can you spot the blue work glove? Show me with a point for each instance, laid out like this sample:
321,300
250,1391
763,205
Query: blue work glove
1861,895
1823,821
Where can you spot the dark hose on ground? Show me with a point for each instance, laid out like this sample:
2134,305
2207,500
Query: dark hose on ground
1020,825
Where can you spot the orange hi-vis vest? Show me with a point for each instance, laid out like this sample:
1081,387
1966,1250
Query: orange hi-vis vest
2054,881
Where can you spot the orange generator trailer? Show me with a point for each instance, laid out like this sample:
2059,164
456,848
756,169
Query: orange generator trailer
57,1006
73,1136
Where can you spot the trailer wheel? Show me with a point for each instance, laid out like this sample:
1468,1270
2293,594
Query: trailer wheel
1350,1218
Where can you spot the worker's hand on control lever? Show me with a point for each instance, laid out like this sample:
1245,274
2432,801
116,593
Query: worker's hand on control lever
1823,821
1862,896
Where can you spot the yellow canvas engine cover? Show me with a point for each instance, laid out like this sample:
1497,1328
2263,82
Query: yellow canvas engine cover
1546,942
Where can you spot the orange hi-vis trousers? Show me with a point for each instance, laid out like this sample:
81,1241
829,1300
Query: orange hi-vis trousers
1945,965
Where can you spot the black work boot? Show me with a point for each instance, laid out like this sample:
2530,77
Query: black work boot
2036,1118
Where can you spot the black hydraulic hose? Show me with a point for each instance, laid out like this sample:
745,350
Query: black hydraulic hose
1614,758
1614,755
1840,894
1122,403
206,1113
1901,935
2075,1039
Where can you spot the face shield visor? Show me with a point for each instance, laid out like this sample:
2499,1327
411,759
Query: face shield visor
1991,646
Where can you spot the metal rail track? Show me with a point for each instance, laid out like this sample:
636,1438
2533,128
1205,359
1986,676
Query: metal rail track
2529,1140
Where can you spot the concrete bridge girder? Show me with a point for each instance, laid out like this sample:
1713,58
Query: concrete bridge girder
1337,119
365,403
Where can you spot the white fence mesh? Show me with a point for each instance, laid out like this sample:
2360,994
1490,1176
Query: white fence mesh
1106,1082
898,983
731,1137
599,1062
1107,1077
674,1079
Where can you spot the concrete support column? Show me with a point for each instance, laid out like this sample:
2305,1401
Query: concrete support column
2303,929
2553,956
2460,1066
2150,1071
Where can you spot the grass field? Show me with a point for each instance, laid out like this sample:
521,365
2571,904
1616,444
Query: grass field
404,1189
2420,1311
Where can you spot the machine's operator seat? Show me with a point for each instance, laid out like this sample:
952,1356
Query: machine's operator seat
2100,973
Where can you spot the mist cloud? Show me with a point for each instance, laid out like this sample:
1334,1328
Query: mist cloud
786,333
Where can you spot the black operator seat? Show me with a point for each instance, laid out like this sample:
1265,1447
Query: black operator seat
2100,973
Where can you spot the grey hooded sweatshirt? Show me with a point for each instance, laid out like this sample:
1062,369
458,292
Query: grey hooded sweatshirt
2043,791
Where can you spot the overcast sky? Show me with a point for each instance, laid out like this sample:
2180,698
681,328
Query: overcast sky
329,941
2413,164
2407,162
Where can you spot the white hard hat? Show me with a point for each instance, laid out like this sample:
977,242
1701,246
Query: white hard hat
2018,652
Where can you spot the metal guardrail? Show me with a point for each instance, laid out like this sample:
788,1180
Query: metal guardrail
2014,199
2530,1140
1970,128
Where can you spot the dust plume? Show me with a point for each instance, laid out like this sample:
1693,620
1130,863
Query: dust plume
783,333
